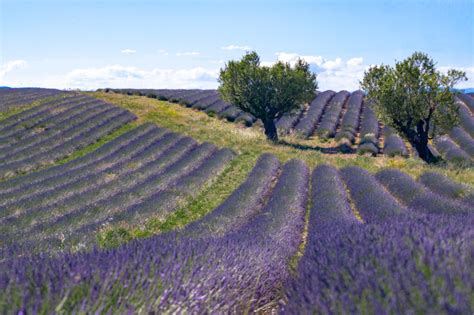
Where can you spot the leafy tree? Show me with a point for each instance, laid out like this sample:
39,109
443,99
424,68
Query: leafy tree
415,99
267,92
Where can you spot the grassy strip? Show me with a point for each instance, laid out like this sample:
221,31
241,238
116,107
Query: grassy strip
252,141
193,209
91,147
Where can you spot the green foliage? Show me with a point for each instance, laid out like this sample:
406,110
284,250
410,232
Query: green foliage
267,92
414,98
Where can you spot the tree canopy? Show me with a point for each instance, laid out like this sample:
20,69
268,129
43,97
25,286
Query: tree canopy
414,98
267,92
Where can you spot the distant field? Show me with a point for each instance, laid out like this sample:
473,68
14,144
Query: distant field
343,117
112,203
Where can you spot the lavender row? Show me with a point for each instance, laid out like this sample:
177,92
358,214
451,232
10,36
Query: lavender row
308,123
327,127
467,119
350,120
207,100
288,121
369,132
110,148
415,196
330,200
393,144
442,185
371,199
242,204
463,139
451,152
468,100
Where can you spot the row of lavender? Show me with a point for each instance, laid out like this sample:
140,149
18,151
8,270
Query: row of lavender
208,101
11,98
409,252
53,130
148,170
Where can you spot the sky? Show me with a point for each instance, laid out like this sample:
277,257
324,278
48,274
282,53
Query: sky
92,44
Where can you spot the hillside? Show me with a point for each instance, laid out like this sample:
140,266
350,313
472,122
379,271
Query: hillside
117,203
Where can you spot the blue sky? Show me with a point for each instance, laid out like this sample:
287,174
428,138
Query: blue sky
156,44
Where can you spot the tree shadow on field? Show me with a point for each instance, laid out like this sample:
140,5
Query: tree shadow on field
342,148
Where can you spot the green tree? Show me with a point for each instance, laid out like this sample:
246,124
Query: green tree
267,92
415,99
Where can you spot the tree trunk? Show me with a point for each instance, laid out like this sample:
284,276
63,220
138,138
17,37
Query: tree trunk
419,140
270,130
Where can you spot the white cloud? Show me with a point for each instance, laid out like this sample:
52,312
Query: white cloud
9,66
119,76
162,52
332,74
354,62
235,47
128,51
188,53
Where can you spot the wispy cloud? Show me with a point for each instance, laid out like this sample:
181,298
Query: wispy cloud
236,47
128,51
187,53
120,76
162,52
9,66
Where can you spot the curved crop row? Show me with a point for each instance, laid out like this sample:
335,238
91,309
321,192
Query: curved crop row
451,151
242,204
370,198
468,100
463,139
350,119
327,127
443,186
393,144
308,122
369,131
208,101
288,121
415,196
467,119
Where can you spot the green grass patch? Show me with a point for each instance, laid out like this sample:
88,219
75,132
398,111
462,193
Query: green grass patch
94,146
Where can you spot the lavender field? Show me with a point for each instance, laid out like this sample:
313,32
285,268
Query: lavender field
293,236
